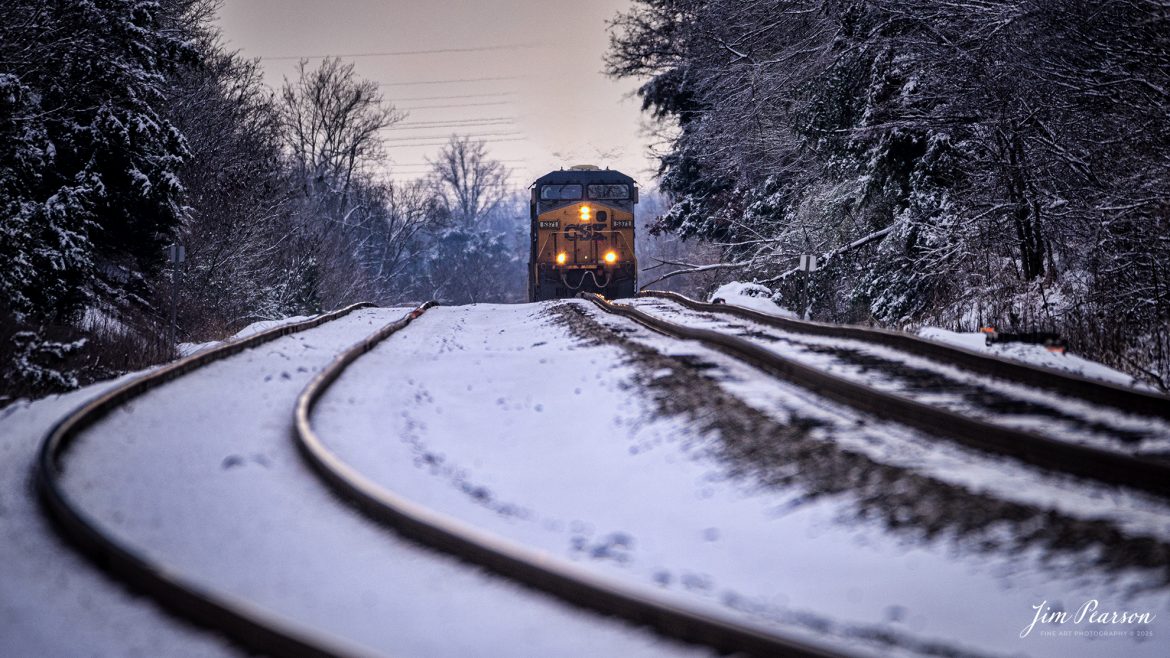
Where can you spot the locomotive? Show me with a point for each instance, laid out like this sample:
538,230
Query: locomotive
582,234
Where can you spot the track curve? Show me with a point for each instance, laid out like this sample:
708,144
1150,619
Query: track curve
536,569
1064,383
246,625
1037,450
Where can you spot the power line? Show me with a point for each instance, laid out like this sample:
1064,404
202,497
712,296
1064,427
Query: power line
444,143
432,137
419,123
427,164
397,53
443,98
409,124
399,170
451,81
465,124
438,107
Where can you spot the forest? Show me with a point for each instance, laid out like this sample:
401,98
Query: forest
126,127
960,164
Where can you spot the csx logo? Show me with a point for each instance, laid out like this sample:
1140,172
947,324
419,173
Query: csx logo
586,232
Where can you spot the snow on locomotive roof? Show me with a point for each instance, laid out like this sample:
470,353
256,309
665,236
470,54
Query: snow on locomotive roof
583,176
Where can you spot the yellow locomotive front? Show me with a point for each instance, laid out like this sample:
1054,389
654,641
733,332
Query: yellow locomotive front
582,234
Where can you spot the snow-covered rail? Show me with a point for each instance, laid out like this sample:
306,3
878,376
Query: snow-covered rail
1027,446
1066,384
247,625
939,381
534,568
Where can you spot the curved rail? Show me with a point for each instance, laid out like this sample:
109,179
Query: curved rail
1060,456
249,626
534,568
1112,395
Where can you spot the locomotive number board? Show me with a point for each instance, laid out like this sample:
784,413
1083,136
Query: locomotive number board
623,223
548,224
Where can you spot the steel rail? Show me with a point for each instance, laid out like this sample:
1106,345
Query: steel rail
248,625
1051,454
1065,383
534,568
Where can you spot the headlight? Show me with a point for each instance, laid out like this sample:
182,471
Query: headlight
586,212
611,257
561,258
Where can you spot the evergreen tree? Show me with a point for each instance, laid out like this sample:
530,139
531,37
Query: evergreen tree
89,166
90,192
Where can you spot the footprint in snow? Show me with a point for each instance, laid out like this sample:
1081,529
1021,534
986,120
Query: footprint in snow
616,546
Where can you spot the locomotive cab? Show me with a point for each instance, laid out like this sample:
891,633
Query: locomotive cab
582,234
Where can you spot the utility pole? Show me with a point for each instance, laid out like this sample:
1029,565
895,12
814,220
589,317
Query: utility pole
176,254
808,265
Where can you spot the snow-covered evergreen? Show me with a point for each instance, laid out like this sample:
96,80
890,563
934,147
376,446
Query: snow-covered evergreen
89,165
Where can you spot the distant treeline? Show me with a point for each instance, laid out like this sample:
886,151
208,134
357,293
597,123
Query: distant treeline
1002,162
126,127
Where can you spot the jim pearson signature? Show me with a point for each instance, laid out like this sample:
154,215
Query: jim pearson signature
1089,612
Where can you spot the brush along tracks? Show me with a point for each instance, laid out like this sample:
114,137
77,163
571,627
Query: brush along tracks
1087,461
245,624
534,568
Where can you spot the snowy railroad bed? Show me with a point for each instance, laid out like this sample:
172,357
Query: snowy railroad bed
187,349
208,482
758,298
1035,355
46,585
894,371
511,419
1131,512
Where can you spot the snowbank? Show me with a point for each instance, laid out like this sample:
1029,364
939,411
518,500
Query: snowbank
1031,354
187,349
761,298
751,295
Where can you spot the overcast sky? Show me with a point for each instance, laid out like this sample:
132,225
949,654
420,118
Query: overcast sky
552,108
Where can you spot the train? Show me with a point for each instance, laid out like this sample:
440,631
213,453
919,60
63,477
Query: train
582,234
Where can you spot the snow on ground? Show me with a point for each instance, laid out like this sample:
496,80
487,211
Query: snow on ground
751,295
1135,512
203,475
1036,355
187,349
97,319
496,416
894,371
52,602
759,298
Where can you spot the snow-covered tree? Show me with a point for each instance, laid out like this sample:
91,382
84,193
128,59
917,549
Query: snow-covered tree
90,192
332,123
472,253
957,162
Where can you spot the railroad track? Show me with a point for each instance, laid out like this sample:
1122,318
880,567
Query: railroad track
1026,445
247,625
262,632
259,630
943,380
1064,383
533,568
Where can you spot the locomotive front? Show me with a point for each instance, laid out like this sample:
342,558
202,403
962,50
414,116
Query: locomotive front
582,234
